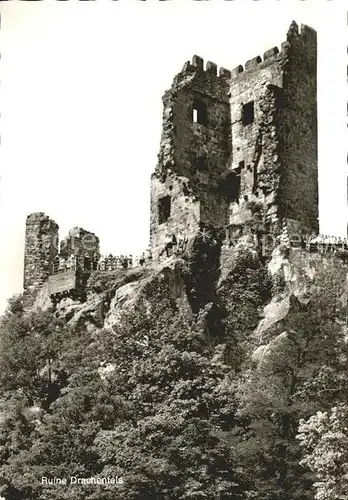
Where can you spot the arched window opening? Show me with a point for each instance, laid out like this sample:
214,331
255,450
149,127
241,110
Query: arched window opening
199,114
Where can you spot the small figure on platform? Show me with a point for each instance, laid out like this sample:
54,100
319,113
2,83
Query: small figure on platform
142,259
101,264
169,242
109,262
148,255
67,264
124,261
182,242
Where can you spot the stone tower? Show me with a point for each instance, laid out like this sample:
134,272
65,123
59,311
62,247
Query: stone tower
41,247
240,139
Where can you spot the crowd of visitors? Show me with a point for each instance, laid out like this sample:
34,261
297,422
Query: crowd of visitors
112,262
324,243
105,263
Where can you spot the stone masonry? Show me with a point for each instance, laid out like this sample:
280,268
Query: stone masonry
235,139
42,257
82,244
41,247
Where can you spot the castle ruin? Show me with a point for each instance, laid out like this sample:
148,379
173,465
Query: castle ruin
234,144
233,140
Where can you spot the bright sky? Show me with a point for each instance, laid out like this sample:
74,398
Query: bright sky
81,111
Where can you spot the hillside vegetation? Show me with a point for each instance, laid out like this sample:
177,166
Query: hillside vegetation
206,377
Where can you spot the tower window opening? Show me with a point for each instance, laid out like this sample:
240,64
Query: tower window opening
231,189
201,164
280,98
248,113
199,113
163,209
55,265
87,264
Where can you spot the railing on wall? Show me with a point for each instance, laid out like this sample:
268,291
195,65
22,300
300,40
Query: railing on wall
312,243
110,262
113,262
316,243
324,243
73,263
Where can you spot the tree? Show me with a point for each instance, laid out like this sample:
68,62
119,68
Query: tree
180,391
324,440
298,373
158,417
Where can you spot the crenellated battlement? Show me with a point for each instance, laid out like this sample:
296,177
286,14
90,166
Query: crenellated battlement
306,34
269,56
270,53
304,31
209,68
252,64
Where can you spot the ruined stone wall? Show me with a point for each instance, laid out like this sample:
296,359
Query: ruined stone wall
254,144
41,260
299,187
248,84
208,141
196,152
277,153
184,207
81,243
41,247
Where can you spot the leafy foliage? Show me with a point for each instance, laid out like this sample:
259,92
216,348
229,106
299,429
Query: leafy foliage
297,374
324,438
157,417
244,293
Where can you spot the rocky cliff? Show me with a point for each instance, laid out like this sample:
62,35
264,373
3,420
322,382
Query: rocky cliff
232,286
